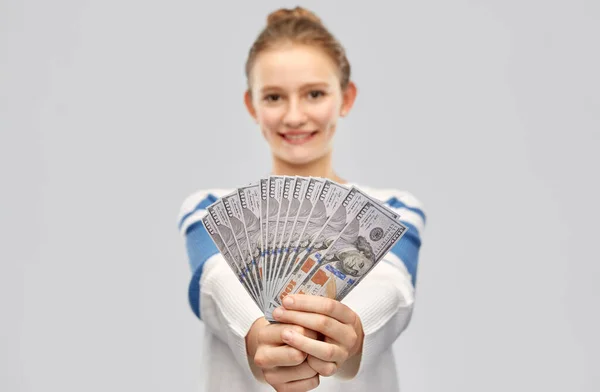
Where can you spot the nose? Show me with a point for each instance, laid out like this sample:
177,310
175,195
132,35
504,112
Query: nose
294,116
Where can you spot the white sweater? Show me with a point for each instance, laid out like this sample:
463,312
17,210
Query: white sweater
383,301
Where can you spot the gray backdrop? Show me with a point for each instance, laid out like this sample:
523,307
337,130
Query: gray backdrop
112,112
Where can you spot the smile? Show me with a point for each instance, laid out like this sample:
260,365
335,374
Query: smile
298,137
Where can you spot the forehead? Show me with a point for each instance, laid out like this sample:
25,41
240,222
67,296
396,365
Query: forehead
292,66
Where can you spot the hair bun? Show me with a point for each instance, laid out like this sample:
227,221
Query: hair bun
295,13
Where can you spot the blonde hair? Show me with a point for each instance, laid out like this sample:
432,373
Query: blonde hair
299,26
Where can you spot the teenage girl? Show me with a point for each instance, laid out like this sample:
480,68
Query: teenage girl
299,86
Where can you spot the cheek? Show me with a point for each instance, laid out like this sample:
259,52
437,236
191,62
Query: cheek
269,120
326,114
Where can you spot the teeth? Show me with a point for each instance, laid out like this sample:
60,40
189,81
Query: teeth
297,137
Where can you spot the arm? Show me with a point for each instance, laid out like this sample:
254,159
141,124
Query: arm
384,300
215,295
372,316
219,299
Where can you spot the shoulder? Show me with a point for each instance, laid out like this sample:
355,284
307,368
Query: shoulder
394,197
193,206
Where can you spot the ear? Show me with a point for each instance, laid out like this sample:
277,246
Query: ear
249,104
348,98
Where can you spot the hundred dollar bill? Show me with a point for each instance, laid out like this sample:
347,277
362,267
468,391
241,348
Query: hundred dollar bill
275,194
353,254
282,223
210,226
346,211
250,203
296,196
282,226
221,221
342,211
331,197
263,227
234,211
311,197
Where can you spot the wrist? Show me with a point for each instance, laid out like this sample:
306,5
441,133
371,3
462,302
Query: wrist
252,345
360,337
351,366
252,336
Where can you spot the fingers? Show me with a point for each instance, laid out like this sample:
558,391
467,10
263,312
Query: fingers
328,326
299,386
282,375
324,351
324,368
267,357
271,334
322,305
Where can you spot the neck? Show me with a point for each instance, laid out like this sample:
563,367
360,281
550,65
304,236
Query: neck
321,167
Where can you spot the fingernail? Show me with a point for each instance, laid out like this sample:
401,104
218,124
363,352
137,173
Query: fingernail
288,301
277,313
286,335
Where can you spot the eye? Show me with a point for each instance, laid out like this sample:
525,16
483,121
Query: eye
314,94
272,97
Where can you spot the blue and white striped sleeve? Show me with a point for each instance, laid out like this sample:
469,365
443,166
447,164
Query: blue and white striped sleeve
384,299
406,251
199,245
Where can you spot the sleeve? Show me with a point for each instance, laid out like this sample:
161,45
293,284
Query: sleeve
215,295
384,299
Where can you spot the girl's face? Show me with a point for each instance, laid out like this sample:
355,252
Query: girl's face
296,99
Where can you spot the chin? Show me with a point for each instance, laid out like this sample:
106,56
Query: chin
299,159
302,156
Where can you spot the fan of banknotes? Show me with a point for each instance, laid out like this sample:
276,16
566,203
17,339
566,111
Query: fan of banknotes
290,234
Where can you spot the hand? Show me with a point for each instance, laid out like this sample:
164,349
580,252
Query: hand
339,324
282,366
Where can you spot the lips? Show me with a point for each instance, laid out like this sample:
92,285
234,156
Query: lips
297,137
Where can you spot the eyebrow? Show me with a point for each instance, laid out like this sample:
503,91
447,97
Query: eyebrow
303,87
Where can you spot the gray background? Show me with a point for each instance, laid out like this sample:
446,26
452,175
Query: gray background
112,112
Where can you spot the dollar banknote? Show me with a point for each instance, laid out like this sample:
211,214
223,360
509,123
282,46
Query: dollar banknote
357,249
209,225
339,214
298,234
275,186
282,224
296,197
263,187
354,200
250,202
285,234
233,207
220,219
319,225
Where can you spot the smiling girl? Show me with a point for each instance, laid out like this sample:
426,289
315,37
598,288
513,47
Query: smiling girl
299,86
